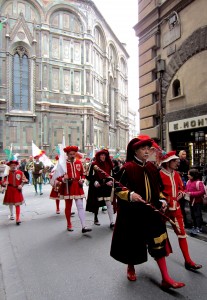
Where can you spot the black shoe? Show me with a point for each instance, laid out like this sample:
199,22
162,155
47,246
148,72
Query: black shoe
69,229
41,193
72,214
18,223
96,222
85,229
112,225
192,267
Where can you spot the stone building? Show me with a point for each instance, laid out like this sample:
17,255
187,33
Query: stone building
172,58
63,70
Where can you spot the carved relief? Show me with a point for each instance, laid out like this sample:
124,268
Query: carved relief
21,35
66,21
77,82
45,43
45,79
66,49
21,8
21,51
77,52
67,81
55,47
9,9
32,14
55,79
55,21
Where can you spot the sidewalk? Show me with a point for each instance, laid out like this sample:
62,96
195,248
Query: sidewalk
203,234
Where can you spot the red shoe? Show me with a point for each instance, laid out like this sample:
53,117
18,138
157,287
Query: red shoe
193,266
175,285
131,275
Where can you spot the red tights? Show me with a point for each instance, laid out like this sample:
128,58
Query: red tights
57,204
68,206
164,271
17,213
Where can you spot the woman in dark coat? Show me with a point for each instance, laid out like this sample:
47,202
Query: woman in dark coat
100,188
138,227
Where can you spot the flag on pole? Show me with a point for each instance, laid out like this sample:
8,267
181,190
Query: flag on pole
9,154
61,167
35,150
43,157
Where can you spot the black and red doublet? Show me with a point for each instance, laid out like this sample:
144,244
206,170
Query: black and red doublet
138,226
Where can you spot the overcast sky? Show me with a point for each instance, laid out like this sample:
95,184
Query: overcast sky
122,16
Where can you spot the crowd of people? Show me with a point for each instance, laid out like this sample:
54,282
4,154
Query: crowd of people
143,194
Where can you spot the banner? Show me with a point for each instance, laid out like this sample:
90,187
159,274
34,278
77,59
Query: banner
61,167
43,157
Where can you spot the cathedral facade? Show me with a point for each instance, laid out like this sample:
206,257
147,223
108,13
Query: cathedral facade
63,71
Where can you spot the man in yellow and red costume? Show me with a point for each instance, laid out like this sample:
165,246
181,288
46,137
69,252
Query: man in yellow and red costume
72,187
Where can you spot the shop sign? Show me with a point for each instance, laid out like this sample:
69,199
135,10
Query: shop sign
186,124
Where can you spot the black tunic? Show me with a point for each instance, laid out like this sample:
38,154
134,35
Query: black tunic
138,227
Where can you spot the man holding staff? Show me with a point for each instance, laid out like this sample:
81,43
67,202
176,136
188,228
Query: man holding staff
138,225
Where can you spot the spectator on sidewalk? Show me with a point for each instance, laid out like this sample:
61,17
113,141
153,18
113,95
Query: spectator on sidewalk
195,191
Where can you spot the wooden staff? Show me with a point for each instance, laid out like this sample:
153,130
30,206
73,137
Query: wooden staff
96,168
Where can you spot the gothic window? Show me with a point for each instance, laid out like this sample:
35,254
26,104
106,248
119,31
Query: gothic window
66,21
99,38
123,67
20,80
176,88
112,55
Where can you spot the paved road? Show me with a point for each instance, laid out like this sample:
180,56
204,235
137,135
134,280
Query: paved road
40,260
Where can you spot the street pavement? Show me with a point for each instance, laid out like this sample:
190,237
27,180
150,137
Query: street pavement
40,260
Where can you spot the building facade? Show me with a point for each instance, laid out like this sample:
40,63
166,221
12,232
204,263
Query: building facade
63,70
172,58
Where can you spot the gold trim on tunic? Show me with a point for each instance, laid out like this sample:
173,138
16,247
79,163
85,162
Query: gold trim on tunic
161,238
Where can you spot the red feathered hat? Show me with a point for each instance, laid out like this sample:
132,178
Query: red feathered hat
168,157
56,157
70,148
143,140
12,162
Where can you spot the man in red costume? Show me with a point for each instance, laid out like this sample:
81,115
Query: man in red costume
13,195
100,188
138,226
173,190
72,187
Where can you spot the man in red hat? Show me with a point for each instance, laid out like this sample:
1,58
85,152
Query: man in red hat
100,188
138,226
173,190
13,195
72,187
